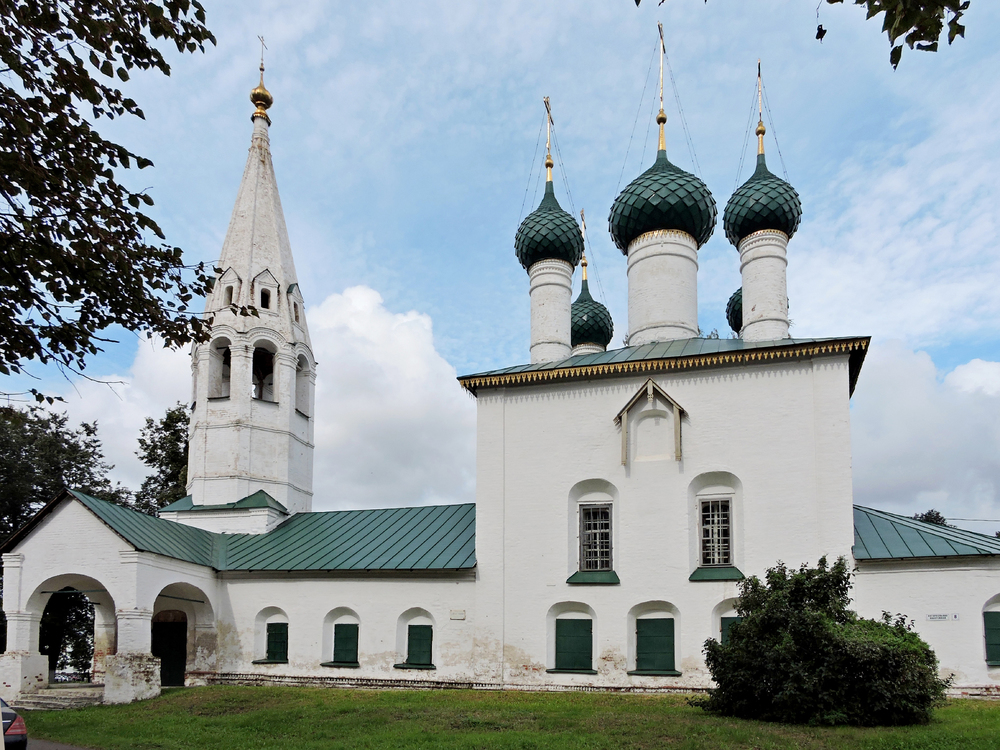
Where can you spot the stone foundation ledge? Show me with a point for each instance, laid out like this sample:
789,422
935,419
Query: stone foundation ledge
983,692
378,683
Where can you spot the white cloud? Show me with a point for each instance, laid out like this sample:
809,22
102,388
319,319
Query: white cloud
393,427
920,441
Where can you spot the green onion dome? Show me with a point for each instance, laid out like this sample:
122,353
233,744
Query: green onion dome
663,197
734,311
548,233
762,202
590,320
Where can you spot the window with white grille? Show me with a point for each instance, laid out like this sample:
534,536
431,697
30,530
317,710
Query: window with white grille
595,537
716,532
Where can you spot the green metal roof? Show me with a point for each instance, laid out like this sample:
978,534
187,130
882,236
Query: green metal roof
879,535
679,354
151,534
765,201
435,537
259,499
432,537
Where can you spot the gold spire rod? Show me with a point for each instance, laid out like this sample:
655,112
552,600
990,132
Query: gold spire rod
548,140
583,231
760,113
661,116
260,96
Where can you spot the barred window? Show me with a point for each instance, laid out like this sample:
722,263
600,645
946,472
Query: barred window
716,547
595,537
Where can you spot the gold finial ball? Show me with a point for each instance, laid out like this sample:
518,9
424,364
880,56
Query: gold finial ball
661,118
760,128
583,262
260,96
548,162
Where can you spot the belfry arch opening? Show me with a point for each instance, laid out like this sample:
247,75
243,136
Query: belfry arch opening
263,373
302,386
219,369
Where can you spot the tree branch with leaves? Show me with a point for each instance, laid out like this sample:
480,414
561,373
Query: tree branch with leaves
79,253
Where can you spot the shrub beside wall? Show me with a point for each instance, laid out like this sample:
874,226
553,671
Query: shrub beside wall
801,656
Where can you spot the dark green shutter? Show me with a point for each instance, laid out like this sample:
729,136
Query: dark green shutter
991,621
345,643
574,644
418,644
277,641
654,644
726,624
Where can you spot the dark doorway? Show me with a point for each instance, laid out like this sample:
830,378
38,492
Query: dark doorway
170,645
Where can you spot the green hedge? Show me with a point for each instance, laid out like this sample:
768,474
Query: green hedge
801,656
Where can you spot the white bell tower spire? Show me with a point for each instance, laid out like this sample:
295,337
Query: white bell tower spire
251,441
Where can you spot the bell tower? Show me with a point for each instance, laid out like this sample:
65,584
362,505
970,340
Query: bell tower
251,438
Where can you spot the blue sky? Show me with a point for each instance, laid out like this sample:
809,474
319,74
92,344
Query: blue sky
403,137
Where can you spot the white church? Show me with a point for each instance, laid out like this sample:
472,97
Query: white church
621,494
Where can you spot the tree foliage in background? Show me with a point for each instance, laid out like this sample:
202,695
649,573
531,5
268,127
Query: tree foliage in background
66,632
916,23
801,656
163,446
40,454
932,516
78,252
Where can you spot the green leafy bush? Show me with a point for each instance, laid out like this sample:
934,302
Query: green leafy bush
801,656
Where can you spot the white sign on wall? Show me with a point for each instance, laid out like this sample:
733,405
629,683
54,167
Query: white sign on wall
943,618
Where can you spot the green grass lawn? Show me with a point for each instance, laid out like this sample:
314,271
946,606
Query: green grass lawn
244,718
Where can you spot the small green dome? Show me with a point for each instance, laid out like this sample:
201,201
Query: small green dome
548,233
762,202
663,197
734,311
590,320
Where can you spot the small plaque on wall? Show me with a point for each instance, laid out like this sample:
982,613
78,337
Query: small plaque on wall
458,614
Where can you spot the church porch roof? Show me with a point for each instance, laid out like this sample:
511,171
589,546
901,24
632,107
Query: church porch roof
425,538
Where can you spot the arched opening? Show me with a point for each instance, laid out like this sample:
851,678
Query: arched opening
295,309
302,382
169,645
271,636
653,639
571,630
183,633
341,628
77,627
415,640
219,368
263,374
66,635
265,299
229,296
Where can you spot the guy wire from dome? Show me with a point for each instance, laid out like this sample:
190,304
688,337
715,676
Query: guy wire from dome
765,201
548,232
664,197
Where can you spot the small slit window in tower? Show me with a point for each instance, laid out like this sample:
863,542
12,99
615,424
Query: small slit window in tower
295,308
716,546
263,374
595,537
265,299
229,296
